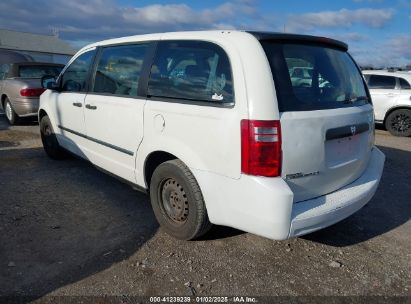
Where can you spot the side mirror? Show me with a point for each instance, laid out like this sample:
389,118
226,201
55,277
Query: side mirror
49,82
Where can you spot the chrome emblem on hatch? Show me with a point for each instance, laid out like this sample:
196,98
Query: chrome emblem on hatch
353,130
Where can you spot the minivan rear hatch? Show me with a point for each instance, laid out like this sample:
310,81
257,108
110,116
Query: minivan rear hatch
326,115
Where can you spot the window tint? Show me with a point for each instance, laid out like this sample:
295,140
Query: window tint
381,82
118,70
314,77
405,85
75,76
191,70
38,71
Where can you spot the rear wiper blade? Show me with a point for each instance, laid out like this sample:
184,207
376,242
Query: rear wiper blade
355,99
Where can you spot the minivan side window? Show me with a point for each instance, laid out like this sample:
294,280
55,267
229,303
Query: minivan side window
75,77
193,71
381,82
405,85
119,68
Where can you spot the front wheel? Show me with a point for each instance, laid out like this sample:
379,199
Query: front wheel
49,139
11,115
177,201
398,122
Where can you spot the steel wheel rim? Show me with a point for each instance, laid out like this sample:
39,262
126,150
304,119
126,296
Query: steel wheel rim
173,201
401,123
9,111
47,130
46,135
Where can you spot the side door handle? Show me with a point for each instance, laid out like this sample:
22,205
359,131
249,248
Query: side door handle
77,104
90,107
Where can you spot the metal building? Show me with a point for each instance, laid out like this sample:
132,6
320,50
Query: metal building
36,47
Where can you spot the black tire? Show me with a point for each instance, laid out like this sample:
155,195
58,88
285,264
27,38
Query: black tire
49,139
11,115
177,201
398,122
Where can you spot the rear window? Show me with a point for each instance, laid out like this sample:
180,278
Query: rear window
314,77
405,85
38,71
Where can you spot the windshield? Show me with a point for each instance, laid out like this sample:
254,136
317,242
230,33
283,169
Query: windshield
38,71
314,77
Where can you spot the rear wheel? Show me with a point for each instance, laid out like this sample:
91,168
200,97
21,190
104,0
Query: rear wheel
398,122
49,139
177,201
11,115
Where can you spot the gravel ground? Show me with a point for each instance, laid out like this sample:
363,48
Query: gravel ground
69,229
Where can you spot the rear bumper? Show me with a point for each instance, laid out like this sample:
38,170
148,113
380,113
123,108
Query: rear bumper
25,106
311,215
264,206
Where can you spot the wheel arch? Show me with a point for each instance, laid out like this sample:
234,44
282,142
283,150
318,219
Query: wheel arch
42,113
152,161
3,99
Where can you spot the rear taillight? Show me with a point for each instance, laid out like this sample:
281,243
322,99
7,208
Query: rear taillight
261,147
36,92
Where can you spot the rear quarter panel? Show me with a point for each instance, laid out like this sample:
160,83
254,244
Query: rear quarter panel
204,137
403,101
11,87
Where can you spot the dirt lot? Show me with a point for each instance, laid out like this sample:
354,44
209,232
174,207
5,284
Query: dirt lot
69,229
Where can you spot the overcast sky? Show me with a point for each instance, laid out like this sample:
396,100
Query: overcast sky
377,31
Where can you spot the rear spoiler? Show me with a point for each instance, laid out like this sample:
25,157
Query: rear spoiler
293,38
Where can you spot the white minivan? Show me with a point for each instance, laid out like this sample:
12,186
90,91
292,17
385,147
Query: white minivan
212,126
